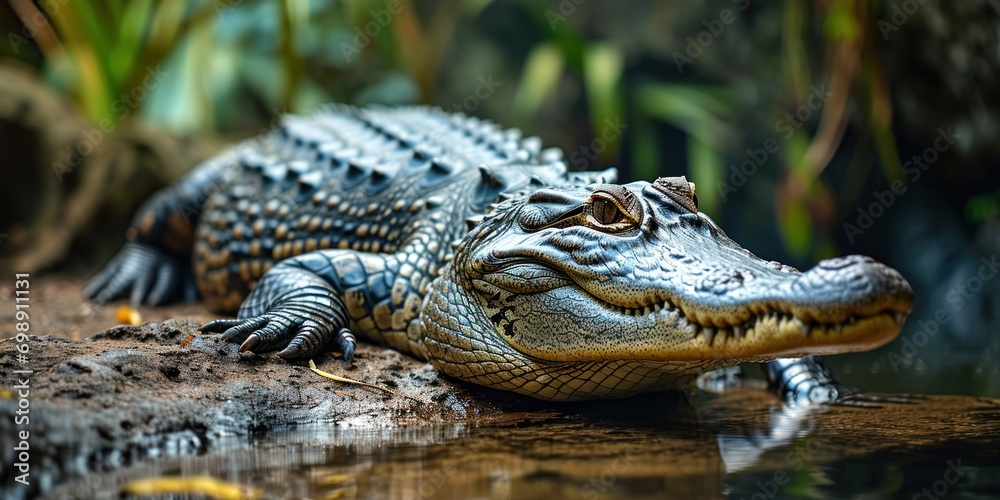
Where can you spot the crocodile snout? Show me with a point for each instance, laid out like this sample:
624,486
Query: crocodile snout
851,286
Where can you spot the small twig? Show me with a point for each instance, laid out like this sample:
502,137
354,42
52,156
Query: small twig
312,366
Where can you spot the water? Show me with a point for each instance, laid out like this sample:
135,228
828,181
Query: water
743,444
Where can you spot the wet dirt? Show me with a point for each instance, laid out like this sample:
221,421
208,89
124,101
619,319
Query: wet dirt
125,393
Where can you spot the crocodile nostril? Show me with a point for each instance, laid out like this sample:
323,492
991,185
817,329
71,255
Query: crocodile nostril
853,280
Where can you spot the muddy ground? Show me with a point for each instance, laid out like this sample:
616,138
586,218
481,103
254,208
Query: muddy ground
124,393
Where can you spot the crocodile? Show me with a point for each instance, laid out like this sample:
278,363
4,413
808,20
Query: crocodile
449,238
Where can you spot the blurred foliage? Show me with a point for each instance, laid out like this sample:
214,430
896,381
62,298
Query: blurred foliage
695,88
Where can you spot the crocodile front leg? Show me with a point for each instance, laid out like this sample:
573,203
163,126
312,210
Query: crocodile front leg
808,381
293,308
154,265
798,381
803,381
318,301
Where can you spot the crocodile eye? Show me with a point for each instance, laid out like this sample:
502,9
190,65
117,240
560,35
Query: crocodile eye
606,212
613,208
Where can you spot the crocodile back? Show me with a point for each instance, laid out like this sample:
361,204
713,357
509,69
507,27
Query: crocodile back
362,179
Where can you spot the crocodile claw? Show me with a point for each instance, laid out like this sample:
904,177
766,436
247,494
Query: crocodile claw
343,342
291,311
145,273
852,397
294,337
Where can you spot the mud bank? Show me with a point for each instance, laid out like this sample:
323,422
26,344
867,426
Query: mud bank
162,389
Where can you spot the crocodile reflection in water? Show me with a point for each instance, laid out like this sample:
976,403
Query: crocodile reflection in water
615,449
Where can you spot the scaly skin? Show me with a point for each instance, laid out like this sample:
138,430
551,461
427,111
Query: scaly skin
544,299
449,239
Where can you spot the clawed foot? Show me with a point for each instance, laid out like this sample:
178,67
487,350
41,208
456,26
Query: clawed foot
807,381
804,381
148,274
851,397
297,337
292,311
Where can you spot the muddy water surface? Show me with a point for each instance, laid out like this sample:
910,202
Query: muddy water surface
740,446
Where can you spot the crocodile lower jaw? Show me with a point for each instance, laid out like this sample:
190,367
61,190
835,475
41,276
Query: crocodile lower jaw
775,336
769,334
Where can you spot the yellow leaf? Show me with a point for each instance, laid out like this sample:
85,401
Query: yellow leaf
312,366
128,316
204,485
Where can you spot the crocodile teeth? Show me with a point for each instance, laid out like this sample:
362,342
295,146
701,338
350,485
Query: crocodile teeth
646,311
737,330
900,317
709,334
803,327
839,327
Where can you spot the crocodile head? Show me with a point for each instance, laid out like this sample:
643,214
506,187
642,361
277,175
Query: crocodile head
634,276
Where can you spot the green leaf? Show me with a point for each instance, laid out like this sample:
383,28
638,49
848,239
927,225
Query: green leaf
645,155
697,110
136,20
796,230
542,69
793,56
563,34
840,22
705,166
981,208
794,154
602,71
